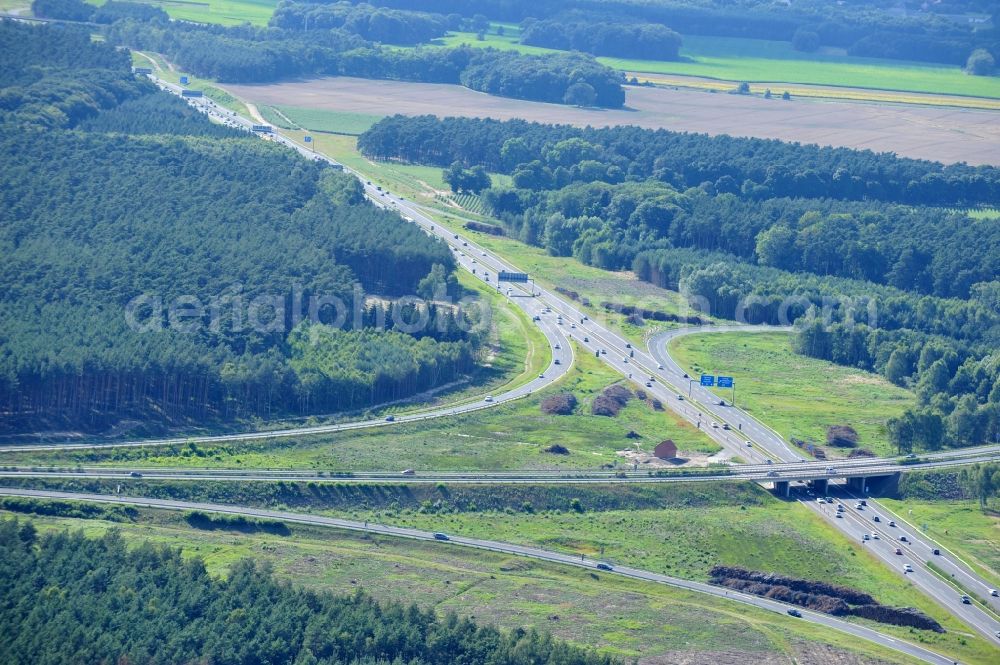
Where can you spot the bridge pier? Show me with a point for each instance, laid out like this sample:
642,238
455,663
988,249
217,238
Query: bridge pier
782,488
857,484
820,486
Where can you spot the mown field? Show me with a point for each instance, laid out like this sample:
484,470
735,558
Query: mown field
223,12
618,616
332,122
795,395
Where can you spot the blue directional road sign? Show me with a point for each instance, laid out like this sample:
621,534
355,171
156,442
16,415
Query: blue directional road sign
708,379
307,139
725,382
184,80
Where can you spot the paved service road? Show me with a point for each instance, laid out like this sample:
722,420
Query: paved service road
828,621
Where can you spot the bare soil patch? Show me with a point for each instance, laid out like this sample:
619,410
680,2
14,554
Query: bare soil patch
942,134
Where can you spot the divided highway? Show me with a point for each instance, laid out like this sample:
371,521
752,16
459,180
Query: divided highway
653,370
826,620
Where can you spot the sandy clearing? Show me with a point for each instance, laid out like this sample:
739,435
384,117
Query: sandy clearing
942,134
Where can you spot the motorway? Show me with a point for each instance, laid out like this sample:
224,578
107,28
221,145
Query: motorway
654,371
826,620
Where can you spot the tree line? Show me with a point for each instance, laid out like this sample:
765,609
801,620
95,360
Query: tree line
602,34
158,266
344,40
68,598
605,195
375,24
864,29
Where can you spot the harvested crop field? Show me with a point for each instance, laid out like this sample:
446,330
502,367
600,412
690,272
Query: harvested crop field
942,134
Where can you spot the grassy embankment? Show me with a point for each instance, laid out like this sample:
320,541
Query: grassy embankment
618,616
797,396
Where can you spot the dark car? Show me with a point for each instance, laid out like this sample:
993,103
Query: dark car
441,536
937,552
135,474
794,613
390,419
604,566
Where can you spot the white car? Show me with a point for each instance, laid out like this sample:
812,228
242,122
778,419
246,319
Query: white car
907,568
659,367
993,592
489,398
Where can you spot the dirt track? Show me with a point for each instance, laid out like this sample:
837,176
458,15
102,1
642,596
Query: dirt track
943,134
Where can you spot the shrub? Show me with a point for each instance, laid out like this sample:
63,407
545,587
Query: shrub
611,401
557,449
561,404
842,436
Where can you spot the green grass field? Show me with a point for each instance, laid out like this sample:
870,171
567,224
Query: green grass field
617,616
333,122
795,395
960,526
223,12
757,60
687,540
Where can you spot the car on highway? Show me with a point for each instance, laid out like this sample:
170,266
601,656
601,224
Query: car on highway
627,345
866,537
556,362
441,536
891,523
994,592
749,443
840,508
830,469
966,600
659,367
840,516
489,398
899,552
604,566
875,535
390,419
904,539
937,552
794,613
558,346
725,426
408,472
649,385
586,339
772,474
907,568
135,474
876,518
715,424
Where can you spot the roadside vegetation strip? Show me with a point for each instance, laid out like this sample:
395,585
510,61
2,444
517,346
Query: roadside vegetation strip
880,636
510,591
